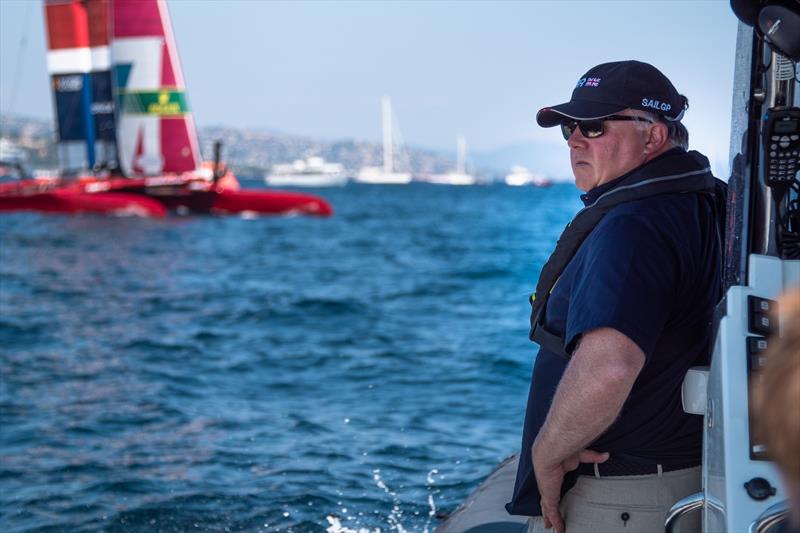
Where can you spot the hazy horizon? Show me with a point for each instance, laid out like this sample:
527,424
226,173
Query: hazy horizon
481,69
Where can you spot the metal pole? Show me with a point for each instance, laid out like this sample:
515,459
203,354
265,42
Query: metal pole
388,156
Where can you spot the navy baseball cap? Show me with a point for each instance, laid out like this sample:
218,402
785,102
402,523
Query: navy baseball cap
612,87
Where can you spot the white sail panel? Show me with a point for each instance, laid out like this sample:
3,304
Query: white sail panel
137,64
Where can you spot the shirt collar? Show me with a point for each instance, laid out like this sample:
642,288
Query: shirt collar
591,196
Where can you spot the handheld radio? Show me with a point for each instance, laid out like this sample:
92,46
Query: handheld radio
781,137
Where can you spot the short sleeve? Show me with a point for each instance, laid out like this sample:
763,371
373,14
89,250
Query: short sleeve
628,280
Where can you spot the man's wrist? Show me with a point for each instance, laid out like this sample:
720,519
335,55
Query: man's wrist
540,455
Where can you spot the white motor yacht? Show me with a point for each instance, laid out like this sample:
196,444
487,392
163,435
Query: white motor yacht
308,172
521,176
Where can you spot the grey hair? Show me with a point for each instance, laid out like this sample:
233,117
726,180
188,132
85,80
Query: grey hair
676,131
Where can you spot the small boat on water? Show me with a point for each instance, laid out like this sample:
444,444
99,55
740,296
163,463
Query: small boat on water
521,176
126,137
308,172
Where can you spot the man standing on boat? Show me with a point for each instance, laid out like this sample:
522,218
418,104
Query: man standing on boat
622,310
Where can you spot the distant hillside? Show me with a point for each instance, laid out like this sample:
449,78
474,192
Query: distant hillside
255,151
252,152
34,136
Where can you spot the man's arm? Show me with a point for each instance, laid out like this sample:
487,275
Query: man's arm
589,397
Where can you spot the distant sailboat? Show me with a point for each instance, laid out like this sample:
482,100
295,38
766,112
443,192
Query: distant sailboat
459,176
385,174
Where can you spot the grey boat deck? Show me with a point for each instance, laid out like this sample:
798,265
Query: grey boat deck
484,510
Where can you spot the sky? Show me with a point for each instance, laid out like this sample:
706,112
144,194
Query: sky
481,69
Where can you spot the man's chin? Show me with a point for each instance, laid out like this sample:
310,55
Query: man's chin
584,180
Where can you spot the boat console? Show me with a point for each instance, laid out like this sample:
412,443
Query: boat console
741,487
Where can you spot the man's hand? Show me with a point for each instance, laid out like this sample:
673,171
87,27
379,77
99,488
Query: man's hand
589,397
549,478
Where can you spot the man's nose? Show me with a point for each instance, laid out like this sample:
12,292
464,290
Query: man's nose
576,138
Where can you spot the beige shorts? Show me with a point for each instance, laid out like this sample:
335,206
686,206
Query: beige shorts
626,504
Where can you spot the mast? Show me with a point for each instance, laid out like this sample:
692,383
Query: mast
461,161
386,108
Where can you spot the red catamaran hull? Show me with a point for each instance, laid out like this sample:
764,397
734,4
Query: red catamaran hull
66,201
281,202
153,197
232,202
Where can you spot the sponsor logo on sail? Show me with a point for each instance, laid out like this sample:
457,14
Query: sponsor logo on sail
164,106
68,83
99,108
162,103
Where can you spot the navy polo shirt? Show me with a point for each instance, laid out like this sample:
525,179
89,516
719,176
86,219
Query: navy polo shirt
650,269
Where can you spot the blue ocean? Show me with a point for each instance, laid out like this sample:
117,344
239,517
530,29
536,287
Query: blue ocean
358,373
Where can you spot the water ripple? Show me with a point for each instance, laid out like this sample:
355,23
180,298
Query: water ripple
220,374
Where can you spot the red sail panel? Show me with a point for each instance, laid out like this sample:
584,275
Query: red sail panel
99,22
167,70
67,24
171,73
176,144
137,18
141,18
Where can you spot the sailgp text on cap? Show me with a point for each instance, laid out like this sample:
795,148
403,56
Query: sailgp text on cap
612,87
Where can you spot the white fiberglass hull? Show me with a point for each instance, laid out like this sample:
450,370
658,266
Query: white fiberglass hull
384,178
526,179
518,180
306,180
451,178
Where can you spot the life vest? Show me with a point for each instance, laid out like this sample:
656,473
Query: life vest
675,172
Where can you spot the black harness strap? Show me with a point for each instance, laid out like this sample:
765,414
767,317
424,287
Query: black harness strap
675,172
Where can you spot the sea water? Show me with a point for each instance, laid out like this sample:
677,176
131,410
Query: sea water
357,373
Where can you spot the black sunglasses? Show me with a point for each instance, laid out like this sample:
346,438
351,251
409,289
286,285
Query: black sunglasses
593,128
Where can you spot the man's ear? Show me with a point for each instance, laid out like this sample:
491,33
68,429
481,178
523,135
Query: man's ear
659,135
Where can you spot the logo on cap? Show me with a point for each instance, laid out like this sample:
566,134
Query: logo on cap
588,82
655,104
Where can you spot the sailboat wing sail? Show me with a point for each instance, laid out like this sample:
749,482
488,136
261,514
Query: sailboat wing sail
102,89
68,59
156,132
79,65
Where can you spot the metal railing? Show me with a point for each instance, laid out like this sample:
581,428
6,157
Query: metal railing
771,517
688,504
